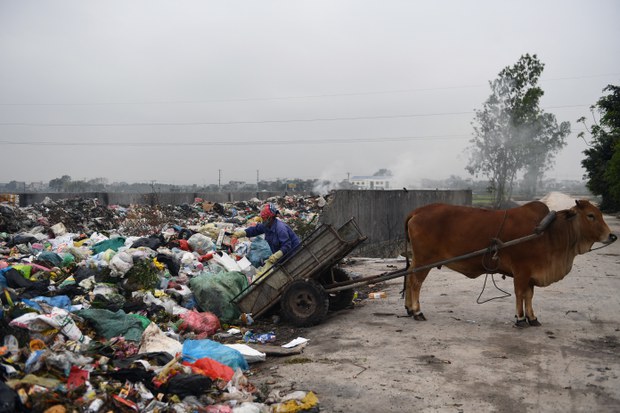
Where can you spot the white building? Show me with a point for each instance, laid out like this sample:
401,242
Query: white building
371,182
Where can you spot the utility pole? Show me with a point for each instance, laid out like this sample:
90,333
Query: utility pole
219,179
348,176
257,180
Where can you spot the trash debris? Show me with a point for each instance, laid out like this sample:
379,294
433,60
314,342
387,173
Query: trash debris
118,308
295,342
251,337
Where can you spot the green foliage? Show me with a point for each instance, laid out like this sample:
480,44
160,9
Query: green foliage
60,184
301,227
512,134
602,161
383,172
143,275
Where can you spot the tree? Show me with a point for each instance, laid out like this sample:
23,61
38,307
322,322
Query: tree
59,184
602,161
383,172
512,134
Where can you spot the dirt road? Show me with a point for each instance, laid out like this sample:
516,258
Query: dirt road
467,357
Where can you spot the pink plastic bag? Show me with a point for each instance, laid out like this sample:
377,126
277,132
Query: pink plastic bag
203,324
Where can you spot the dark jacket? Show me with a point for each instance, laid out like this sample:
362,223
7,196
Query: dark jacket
279,236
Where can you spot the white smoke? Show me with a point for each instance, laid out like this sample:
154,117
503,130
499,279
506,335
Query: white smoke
405,172
330,179
557,201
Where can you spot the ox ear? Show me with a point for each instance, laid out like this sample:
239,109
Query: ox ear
581,203
571,213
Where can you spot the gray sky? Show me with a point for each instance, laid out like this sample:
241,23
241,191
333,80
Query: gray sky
188,91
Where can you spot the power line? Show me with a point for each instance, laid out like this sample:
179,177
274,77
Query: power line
243,122
247,142
250,122
318,96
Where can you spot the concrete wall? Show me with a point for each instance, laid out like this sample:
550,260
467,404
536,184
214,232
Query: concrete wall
381,215
168,198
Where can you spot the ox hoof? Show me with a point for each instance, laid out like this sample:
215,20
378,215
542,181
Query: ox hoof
410,313
521,323
419,317
533,322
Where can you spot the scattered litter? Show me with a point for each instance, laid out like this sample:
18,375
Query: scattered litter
295,342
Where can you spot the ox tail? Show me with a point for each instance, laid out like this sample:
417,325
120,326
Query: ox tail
407,240
407,250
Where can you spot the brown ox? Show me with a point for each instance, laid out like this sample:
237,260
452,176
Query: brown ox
440,232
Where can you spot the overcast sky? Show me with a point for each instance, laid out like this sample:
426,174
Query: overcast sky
197,91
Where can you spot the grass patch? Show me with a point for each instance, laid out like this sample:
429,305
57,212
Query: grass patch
298,360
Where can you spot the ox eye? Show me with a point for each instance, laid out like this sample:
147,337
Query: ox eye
591,217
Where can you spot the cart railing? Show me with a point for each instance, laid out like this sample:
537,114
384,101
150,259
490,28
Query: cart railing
323,248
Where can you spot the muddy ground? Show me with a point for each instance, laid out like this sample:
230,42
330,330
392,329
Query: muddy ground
467,357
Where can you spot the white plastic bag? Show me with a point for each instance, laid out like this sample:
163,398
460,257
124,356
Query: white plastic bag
154,340
226,262
249,354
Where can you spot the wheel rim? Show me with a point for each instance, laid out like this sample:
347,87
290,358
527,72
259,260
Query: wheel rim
304,303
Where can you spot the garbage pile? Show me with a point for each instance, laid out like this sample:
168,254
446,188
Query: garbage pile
125,308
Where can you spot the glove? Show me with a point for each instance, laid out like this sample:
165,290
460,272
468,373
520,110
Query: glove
239,234
275,257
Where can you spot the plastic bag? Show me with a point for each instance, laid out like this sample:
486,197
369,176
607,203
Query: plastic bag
200,243
213,293
197,349
109,324
211,368
249,354
58,319
183,385
259,251
204,324
225,261
154,340
59,301
120,264
110,244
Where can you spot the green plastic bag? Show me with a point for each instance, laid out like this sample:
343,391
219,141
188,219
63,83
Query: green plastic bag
110,244
213,293
109,324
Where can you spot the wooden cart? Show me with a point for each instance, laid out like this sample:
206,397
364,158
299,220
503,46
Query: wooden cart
298,281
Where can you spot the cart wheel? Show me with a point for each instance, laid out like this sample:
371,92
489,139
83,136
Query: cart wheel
338,300
304,303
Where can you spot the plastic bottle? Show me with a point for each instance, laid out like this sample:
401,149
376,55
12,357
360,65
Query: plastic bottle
12,346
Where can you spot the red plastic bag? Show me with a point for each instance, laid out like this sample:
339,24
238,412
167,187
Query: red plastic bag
203,324
211,368
184,245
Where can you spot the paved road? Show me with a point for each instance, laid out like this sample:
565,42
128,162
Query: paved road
467,357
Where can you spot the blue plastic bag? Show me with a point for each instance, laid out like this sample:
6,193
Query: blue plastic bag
197,349
60,301
259,252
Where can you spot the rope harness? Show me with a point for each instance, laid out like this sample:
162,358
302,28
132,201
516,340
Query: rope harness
490,257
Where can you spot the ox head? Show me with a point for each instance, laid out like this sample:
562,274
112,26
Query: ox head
592,226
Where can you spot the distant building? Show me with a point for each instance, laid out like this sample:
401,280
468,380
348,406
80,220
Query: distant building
371,182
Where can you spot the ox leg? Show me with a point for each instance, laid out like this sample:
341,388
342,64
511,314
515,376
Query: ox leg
408,293
412,294
520,292
529,309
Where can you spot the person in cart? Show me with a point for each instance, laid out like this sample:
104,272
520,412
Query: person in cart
280,237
